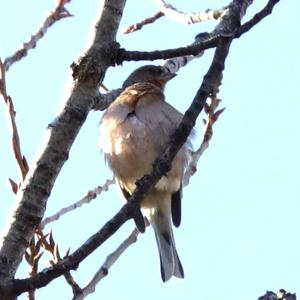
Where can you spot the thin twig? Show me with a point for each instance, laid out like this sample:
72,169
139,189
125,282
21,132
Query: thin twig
189,18
194,49
104,88
60,12
32,257
110,260
178,16
102,101
20,159
212,116
139,25
76,289
267,10
92,194
174,64
48,243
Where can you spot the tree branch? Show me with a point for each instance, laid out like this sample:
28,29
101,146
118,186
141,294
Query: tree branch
92,194
124,55
180,56
174,14
16,146
267,10
102,101
210,41
33,196
110,260
139,25
174,64
189,18
212,116
59,13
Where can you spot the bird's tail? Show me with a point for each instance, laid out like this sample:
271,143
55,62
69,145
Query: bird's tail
170,264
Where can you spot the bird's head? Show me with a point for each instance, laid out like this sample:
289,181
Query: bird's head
156,75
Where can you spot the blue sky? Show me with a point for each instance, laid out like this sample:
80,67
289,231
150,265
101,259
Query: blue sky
240,226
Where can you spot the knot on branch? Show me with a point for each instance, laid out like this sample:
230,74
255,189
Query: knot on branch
211,86
231,21
86,68
119,57
92,66
7,289
162,164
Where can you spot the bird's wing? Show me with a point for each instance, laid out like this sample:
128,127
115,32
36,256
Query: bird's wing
137,215
176,207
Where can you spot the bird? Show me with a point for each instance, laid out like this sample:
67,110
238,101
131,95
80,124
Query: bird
134,130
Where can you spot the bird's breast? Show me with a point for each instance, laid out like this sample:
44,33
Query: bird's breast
127,148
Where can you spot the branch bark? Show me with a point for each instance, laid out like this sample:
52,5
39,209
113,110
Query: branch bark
61,133
209,42
188,18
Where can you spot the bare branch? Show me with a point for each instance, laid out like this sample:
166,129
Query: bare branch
20,159
267,10
59,13
194,49
32,256
174,64
74,285
212,116
174,14
139,25
102,101
280,295
48,243
124,55
104,88
34,193
110,260
189,18
92,194
178,57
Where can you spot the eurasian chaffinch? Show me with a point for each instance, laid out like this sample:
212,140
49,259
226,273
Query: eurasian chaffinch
134,131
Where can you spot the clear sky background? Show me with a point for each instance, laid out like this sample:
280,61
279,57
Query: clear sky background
241,214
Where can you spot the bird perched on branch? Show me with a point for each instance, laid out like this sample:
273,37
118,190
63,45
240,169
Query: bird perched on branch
135,130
